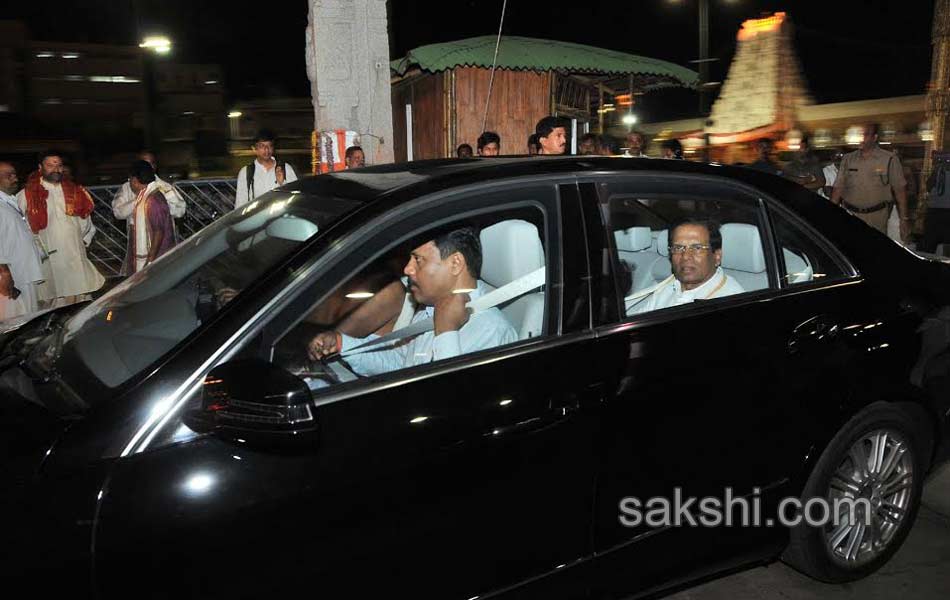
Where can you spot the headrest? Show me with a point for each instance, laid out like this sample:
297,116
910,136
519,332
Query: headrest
663,242
289,227
742,248
661,269
633,239
510,249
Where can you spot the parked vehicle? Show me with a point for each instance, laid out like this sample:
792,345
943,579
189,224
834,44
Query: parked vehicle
173,438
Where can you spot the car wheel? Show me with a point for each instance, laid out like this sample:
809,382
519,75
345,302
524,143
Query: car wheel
879,459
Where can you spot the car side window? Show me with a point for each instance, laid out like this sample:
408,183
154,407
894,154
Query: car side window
804,259
674,248
444,292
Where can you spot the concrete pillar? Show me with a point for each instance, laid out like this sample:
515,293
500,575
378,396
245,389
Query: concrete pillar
348,66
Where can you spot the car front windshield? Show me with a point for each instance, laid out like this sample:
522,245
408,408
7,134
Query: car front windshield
140,320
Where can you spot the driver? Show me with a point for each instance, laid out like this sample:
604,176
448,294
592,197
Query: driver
442,276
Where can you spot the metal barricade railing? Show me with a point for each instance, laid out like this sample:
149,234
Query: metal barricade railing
206,200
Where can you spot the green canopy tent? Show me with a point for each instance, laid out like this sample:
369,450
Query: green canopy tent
440,90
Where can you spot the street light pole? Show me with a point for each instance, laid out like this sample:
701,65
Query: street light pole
703,54
151,46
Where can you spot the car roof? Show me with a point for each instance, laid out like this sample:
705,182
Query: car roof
414,178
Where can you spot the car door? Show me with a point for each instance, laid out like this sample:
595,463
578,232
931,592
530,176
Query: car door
450,479
696,408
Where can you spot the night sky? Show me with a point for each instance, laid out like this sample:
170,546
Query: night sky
849,49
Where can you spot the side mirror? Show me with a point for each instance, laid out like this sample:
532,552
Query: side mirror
255,402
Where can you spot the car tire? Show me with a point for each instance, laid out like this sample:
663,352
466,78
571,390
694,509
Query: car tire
836,554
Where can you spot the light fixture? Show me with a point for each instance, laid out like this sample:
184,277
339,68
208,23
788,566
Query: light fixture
45,54
854,135
629,119
211,82
822,138
113,79
418,420
234,114
360,295
69,55
157,43
794,139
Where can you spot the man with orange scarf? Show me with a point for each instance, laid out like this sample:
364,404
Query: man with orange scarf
58,211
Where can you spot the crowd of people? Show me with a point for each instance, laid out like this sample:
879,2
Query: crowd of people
874,179
46,227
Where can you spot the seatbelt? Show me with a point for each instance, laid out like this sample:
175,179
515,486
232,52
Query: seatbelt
509,291
645,292
405,315
249,176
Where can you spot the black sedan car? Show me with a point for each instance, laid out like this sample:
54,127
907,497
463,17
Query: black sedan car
279,406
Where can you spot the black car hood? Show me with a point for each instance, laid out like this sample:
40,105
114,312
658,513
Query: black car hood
27,430
29,422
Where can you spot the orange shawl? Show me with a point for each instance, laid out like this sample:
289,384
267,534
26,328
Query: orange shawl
78,201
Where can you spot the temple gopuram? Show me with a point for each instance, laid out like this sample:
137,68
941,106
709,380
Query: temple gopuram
765,95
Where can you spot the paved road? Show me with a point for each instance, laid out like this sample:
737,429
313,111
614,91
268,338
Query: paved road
919,571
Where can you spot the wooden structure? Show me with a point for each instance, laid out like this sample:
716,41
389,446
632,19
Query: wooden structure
448,110
441,91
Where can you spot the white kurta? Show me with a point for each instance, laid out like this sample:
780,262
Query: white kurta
673,294
124,201
18,252
70,272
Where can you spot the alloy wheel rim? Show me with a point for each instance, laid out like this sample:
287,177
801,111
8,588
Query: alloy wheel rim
870,492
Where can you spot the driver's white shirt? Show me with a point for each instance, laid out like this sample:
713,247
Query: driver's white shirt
484,329
673,294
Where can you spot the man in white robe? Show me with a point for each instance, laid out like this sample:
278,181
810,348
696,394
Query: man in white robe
19,260
59,213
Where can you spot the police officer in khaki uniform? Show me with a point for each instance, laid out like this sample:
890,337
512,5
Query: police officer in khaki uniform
868,180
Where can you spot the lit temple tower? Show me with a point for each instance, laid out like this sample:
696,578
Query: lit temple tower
764,88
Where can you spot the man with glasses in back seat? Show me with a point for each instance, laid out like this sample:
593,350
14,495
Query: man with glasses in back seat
443,276
696,259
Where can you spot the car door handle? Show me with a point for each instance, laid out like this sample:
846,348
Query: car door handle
576,400
817,329
566,404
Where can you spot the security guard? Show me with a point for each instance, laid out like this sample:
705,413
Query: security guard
868,180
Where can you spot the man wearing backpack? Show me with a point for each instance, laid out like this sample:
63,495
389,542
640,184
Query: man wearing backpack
264,174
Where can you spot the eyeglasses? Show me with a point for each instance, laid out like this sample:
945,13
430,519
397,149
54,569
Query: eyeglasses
689,249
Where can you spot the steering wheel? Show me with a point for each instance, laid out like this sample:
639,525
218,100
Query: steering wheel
341,372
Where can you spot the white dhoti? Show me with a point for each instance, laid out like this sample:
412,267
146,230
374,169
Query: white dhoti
68,270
